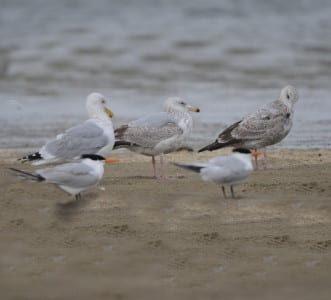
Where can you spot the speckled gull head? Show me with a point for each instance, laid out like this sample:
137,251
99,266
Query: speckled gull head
96,106
289,95
177,104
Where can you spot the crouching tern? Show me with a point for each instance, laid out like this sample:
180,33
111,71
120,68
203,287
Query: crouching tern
224,170
73,177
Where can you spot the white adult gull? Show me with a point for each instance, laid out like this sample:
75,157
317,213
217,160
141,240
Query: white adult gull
94,136
158,133
266,126
73,177
224,170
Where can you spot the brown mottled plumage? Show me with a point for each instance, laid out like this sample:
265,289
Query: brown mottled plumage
267,126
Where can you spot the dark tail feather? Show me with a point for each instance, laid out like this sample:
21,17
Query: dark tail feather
214,146
30,157
189,167
123,144
27,175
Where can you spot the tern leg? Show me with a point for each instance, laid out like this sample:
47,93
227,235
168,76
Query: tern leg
223,190
78,197
154,167
232,192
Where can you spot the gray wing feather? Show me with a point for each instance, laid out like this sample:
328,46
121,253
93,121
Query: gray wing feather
156,120
73,174
150,137
262,123
86,138
227,168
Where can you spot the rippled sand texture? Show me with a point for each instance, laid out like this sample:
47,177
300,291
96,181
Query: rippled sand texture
138,238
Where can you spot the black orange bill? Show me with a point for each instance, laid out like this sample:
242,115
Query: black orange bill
110,160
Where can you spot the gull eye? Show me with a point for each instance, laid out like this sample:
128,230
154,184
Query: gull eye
103,101
182,103
288,96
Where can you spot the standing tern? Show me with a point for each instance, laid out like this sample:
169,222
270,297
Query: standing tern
94,136
224,170
73,177
267,126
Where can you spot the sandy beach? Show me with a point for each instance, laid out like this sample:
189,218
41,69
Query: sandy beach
134,237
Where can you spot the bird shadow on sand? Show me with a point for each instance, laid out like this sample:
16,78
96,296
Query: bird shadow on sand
68,210
153,178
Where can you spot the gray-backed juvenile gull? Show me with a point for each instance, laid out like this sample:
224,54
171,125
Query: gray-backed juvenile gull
158,133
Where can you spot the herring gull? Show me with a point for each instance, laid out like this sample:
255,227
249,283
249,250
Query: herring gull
94,136
267,126
158,133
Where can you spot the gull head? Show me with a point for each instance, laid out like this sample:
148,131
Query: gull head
177,104
289,94
96,105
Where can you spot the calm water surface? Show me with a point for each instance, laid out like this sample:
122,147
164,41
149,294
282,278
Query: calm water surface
228,57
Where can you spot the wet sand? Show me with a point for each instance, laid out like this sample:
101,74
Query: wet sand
134,237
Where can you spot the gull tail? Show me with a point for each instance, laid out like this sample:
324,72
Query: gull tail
27,175
30,157
194,168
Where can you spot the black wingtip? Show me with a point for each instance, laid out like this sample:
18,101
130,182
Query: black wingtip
189,167
27,175
123,144
214,146
30,157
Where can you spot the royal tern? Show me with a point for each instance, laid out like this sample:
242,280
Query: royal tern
73,177
224,170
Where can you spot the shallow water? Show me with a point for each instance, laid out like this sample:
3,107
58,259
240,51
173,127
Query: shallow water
228,57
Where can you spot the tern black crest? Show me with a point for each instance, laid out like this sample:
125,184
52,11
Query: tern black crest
242,150
93,156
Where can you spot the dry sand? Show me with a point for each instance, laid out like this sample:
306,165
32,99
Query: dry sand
134,237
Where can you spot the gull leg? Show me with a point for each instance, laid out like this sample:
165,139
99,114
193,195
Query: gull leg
223,190
256,162
162,166
232,192
154,167
266,164
78,197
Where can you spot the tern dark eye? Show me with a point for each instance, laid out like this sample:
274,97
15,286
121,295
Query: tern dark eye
288,96
182,103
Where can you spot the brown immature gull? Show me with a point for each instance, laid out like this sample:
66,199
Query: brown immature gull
158,133
267,126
